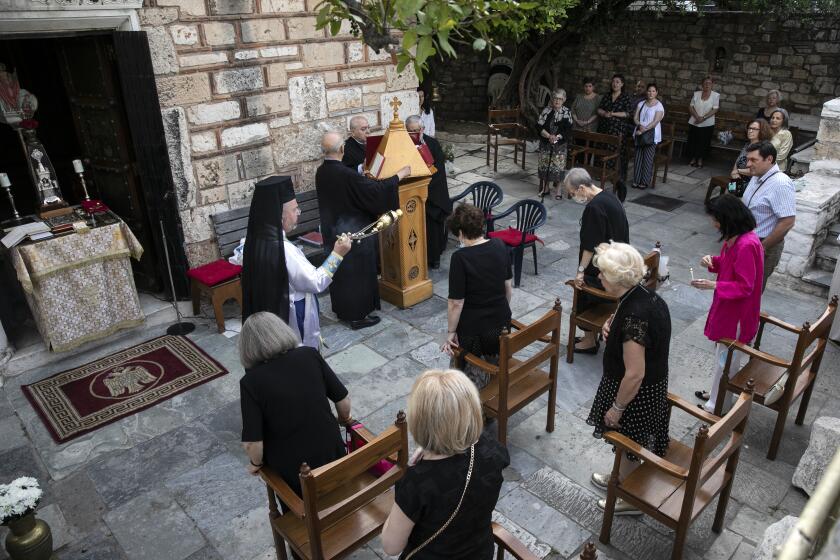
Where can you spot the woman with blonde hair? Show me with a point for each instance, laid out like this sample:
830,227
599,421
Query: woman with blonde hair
443,504
632,397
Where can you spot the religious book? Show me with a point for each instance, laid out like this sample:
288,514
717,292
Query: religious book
313,238
376,164
426,153
18,234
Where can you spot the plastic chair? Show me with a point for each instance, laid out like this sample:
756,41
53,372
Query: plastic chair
485,195
530,215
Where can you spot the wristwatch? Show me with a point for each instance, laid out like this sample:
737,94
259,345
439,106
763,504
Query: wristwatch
581,269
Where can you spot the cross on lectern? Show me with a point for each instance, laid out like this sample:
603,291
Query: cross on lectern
396,103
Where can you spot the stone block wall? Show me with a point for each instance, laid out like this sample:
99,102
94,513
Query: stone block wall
463,86
800,58
246,89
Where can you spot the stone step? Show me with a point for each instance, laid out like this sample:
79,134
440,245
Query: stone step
801,161
826,257
833,232
818,278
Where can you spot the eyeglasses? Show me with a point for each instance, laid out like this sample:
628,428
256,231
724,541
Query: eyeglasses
755,128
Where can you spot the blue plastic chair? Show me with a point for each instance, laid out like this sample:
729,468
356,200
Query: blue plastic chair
530,215
485,195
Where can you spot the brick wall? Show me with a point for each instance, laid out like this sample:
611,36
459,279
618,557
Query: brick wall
246,88
802,59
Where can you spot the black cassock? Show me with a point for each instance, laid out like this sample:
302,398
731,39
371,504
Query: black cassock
354,153
348,202
438,205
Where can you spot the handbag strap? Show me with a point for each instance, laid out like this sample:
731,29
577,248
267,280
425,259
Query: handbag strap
437,533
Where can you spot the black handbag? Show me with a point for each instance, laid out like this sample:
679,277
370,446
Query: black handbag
646,138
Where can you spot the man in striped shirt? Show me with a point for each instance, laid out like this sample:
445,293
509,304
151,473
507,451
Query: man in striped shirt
771,198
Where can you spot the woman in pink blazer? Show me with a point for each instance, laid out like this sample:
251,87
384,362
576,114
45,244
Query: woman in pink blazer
736,303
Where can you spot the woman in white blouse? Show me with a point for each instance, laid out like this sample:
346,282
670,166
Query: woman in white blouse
647,118
704,104
427,114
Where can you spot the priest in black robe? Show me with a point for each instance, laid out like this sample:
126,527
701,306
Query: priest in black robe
354,146
265,281
438,204
348,202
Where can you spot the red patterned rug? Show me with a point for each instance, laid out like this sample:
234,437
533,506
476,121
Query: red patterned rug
83,399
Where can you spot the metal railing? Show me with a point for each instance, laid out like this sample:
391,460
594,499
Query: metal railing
817,519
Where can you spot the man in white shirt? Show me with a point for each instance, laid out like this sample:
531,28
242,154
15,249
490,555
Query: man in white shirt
305,280
771,197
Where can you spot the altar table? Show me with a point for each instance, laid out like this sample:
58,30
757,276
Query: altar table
79,286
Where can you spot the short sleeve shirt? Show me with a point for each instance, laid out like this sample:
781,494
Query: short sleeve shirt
286,405
477,275
429,493
770,198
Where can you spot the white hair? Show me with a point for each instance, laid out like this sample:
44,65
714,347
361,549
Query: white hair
413,119
577,177
264,336
620,263
356,122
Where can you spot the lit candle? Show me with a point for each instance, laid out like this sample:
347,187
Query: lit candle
4,180
77,166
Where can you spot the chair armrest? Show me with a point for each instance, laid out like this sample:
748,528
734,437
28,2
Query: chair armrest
753,353
509,543
691,409
504,214
519,326
478,362
766,318
460,196
500,126
283,491
591,290
359,432
627,444
605,159
664,144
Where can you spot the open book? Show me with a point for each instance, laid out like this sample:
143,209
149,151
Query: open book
18,234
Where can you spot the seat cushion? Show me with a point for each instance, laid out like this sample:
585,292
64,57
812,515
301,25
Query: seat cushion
215,272
513,237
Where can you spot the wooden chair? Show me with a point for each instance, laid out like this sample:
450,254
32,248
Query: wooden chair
801,370
504,128
507,543
675,489
719,183
530,215
343,505
593,151
595,317
514,383
664,152
485,195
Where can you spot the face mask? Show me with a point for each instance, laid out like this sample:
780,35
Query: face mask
579,199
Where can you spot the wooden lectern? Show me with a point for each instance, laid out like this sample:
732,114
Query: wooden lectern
405,275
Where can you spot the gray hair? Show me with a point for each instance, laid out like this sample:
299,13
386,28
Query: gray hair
785,116
264,336
576,178
413,119
778,94
331,143
356,121
559,92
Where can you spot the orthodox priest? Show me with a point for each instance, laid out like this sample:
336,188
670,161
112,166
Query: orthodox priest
305,280
438,205
348,202
355,145
265,282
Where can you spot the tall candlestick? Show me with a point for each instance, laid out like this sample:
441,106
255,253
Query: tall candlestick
77,166
6,184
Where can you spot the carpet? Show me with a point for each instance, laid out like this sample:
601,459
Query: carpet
83,399
659,202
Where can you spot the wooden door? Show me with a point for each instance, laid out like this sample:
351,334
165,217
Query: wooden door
88,67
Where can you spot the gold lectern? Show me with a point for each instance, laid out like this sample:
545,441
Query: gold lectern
405,275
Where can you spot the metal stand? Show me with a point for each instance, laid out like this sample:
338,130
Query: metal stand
15,219
181,327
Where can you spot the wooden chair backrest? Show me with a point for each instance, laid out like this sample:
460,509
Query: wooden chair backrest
509,344
589,139
667,130
808,334
315,483
510,115
310,214
652,263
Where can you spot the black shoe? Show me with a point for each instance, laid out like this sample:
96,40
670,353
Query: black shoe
434,265
592,350
364,323
702,395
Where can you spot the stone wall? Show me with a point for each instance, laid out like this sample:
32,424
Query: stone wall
246,88
802,59
463,87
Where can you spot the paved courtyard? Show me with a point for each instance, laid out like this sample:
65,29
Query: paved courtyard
170,483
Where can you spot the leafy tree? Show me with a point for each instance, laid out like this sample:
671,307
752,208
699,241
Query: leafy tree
415,30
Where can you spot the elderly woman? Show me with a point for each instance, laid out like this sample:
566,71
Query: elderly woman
479,291
782,138
772,102
603,220
555,124
647,135
704,104
585,107
632,397
736,304
454,479
285,394
614,111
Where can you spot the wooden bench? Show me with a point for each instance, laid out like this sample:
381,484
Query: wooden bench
221,281
593,151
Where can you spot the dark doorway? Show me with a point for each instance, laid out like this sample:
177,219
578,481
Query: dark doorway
98,103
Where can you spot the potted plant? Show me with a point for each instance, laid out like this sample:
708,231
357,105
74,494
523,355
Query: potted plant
29,538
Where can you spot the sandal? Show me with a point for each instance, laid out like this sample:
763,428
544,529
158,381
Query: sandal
702,395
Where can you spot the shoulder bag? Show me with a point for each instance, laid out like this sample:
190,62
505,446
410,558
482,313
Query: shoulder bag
437,533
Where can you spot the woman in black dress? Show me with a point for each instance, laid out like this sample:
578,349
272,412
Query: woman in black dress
285,394
616,112
454,478
479,292
603,220
632,397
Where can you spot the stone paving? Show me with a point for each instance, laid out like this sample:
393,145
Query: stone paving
170,482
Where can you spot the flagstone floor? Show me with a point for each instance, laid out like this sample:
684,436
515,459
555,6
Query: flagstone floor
170,483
